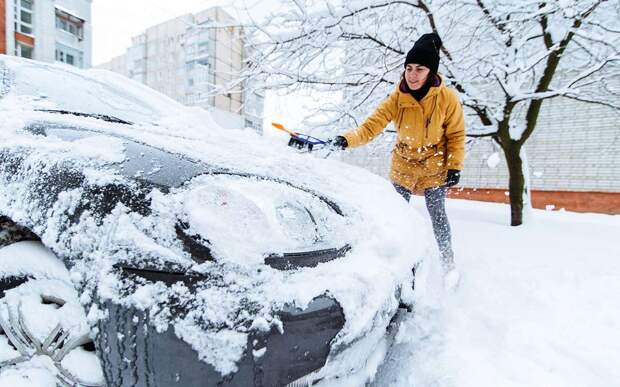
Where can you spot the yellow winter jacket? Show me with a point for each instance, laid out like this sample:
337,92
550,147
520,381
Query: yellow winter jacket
430,135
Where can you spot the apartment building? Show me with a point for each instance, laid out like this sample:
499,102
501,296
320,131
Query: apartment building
47,30
191,59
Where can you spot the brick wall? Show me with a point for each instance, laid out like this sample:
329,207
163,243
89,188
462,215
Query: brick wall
600,202
2,26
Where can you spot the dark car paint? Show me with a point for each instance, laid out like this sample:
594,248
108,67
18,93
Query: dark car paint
160,359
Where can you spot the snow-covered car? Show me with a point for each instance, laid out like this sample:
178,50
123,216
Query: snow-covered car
143,245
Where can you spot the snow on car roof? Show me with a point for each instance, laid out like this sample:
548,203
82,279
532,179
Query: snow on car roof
386,235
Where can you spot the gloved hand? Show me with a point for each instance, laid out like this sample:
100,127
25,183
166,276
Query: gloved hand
339,142
454,175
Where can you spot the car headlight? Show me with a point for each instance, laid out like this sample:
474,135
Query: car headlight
246,218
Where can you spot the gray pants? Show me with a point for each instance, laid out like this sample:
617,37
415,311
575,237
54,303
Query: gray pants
435,204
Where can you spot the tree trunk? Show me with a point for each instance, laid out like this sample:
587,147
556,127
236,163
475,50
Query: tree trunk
516,183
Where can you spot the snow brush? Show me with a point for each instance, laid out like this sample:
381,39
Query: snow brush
300,140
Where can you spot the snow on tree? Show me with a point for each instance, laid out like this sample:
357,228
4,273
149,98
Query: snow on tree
504,58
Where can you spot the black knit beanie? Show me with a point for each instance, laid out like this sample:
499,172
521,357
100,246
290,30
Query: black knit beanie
425,52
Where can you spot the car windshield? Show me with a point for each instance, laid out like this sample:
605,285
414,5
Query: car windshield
96,92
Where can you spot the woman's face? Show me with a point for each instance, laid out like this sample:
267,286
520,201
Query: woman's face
415,75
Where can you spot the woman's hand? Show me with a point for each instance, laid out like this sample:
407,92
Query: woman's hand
339,142
454,175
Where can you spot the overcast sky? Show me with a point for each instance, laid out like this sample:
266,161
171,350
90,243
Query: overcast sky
115,22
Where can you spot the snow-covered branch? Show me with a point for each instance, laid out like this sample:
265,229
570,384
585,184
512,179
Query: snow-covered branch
495,53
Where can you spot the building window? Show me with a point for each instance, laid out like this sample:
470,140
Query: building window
26,17
23,16
24,29
23,50
69,23
69,55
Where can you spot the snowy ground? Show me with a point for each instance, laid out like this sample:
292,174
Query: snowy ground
538,305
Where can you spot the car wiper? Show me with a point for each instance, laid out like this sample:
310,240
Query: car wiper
91,115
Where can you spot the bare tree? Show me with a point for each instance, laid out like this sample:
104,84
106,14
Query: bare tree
504,57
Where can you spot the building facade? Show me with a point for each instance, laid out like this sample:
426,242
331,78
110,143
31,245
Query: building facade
191,59
47,30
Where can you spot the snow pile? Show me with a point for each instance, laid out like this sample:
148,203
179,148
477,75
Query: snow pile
34,373
45,309
26,299
62,88
31,258
84,365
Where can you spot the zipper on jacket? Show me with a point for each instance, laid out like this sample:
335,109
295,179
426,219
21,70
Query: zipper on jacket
430,118
425,121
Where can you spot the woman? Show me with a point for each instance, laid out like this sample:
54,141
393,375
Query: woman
430,147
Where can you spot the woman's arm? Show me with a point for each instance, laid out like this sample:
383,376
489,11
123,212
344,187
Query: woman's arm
455,133
375,124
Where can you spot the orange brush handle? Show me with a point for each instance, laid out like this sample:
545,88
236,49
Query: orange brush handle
281,127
